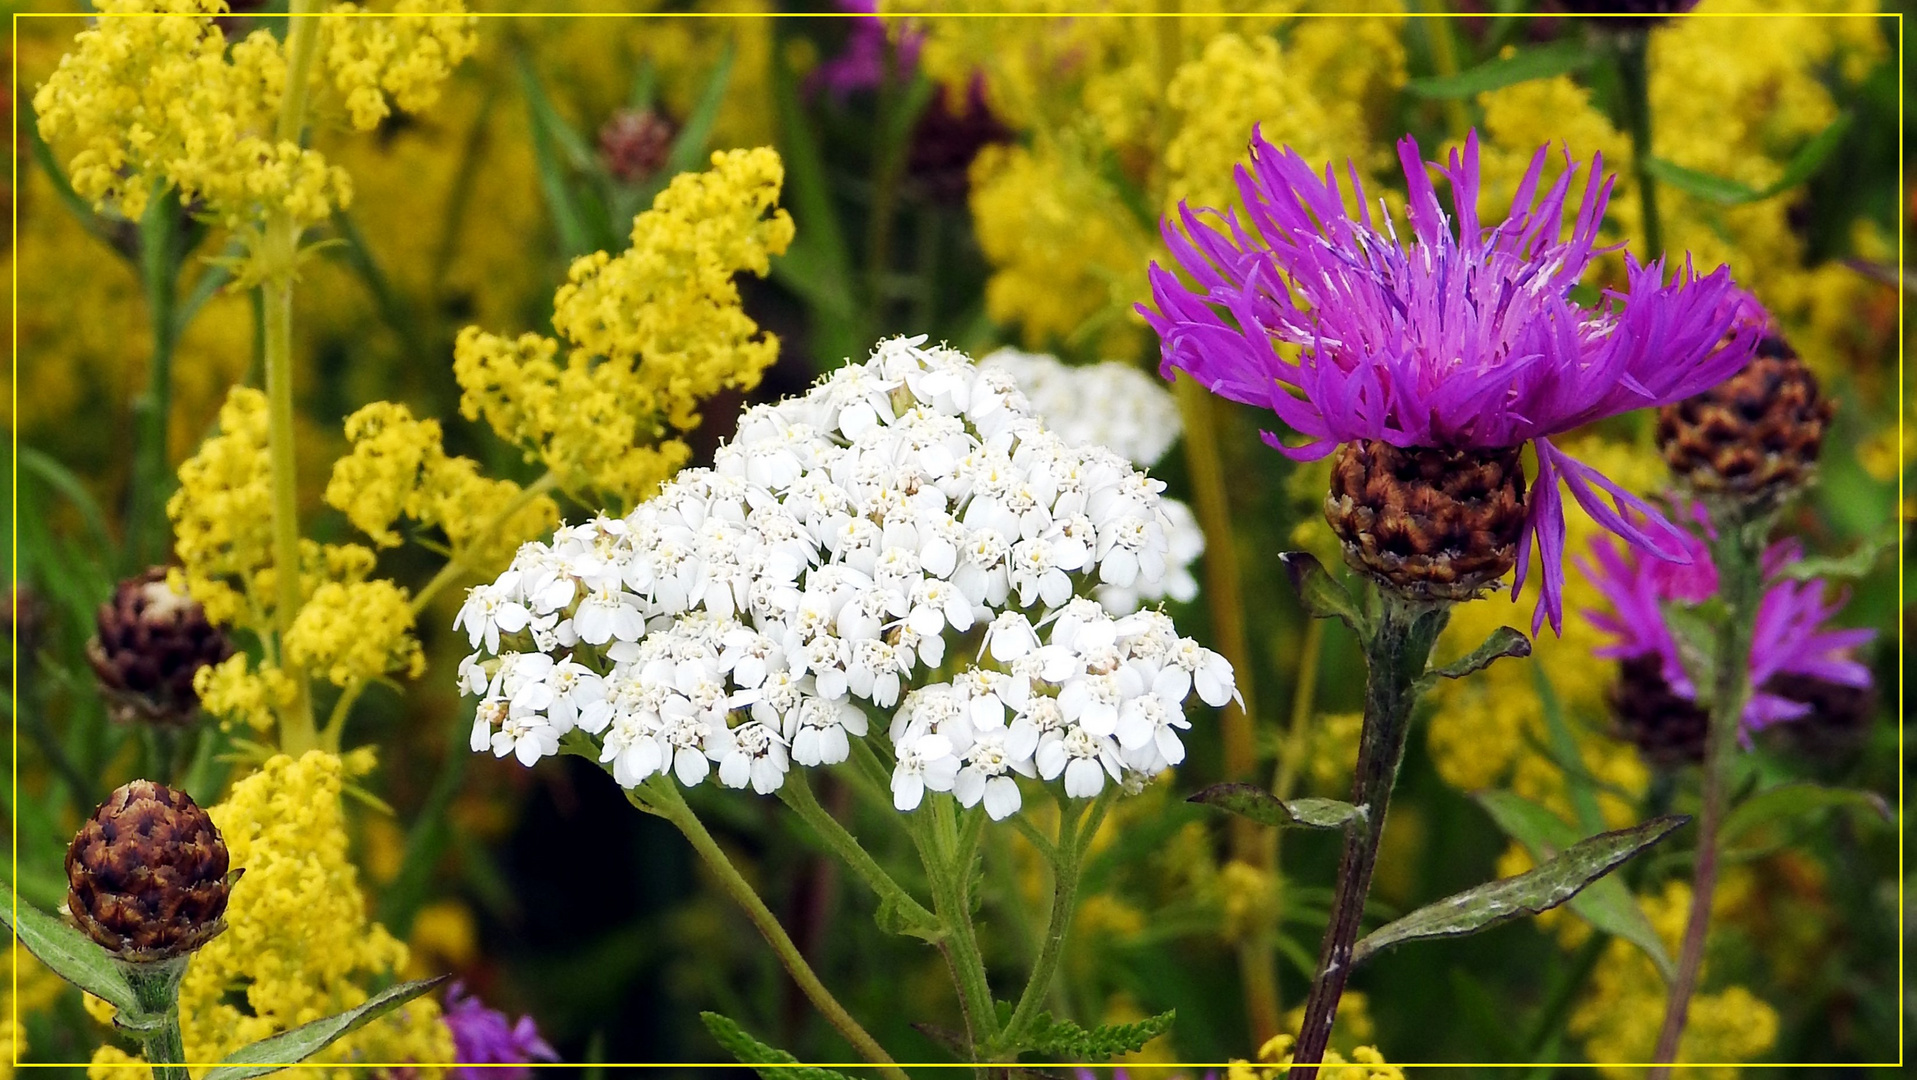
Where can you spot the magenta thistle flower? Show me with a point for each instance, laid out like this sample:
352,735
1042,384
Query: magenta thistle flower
1465,339
861,64
483,1037
1791,636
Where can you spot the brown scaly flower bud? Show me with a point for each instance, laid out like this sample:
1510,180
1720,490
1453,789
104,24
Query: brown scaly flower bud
1434,524
151,641
635,143
1667,728
146,874
1839,720
1756,435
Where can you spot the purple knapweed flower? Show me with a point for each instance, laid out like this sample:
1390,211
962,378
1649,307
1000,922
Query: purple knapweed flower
860,65
483,1036
1467,339
1790,638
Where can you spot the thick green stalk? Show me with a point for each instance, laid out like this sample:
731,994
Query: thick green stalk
159,264
1394,658
1739,554
1073,837
948,867
1632,52
278,257
663,798
156,986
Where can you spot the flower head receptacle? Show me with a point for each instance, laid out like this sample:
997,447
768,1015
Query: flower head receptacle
147,874
1433,524
150,641
1756,436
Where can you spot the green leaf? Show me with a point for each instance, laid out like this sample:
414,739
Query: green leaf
294,1046
1537,890
1261,806
1067,1041
1542,62
1504,641
1803,165
750,1051
688,150
1788,801
549,131
1858,563
1321,593
1607,904
62,481
1564,750
71,955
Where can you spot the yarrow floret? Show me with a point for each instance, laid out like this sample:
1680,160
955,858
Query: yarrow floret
1116,406
1791,636
906,537
1468,338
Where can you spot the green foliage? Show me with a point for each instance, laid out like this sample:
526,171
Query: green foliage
1504,641
1261,806
71,955
1540,62
770,1063
291,1047
1802,167
1535,891
1067,1041
1322,595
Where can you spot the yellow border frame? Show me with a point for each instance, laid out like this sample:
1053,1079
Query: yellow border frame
14,522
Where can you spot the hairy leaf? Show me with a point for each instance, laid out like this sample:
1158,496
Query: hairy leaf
1504,641
1067,1041
70,954
291,1047
1859,562
1261,806
1321,593
1534,891
766,1061
1607,904
1542,62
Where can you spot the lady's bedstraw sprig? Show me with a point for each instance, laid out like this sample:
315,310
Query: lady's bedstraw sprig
1428,364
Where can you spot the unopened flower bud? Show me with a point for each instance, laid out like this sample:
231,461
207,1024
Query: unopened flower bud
1432,523
1667,728
1756,435
635,144
1839,720
151,641
147,874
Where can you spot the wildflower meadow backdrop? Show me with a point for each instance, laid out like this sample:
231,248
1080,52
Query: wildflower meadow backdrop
1334,539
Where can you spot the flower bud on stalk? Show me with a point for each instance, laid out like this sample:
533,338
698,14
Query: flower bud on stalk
1431,523
150,642
1666,727
147,874
1755,436
635,143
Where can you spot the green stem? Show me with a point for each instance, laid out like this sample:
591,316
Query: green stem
156,987
797,794
456,565
941,850
1739,554
159,265
1291,759
1394,659
1444,62
661,796
1631,50
1073,837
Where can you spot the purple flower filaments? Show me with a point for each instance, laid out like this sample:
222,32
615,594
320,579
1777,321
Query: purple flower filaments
1465,339
482,1036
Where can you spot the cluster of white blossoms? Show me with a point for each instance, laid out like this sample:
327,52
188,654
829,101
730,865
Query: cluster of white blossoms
906,537
1116,406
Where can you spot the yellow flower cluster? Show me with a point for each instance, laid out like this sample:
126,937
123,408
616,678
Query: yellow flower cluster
1620,1018
298,944
222,512
29,987
654,332
404,58
354,632
154,102
398,467
237,691
1274,1059
1124,117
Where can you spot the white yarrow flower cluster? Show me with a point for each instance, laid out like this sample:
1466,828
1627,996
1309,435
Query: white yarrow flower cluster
850,550
1116,406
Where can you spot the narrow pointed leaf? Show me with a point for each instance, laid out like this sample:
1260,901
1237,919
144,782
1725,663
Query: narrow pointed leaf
1606,904
1321,593
689,149
1504,641
1541,62
70,954
1261,806
1803,165
1703,185
290,1047
1788,801
767,1062
554,183
1848,567
1530,893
